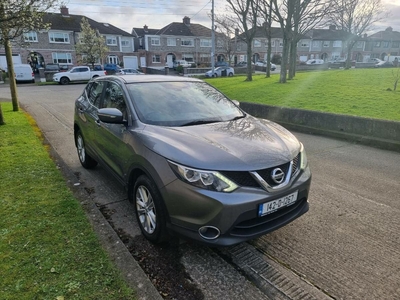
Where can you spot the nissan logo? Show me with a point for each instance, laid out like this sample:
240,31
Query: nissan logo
277,175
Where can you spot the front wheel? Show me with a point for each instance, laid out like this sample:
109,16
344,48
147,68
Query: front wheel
86,160
64,80
230,74
149,210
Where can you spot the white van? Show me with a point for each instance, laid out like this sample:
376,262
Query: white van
23,73
314,62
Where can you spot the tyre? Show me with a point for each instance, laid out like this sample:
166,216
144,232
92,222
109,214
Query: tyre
230,74
64,80
149,210
214,75
86,160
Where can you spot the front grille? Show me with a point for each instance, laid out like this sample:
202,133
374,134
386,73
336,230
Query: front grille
244,178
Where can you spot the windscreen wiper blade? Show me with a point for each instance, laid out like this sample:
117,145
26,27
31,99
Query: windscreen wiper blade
200,122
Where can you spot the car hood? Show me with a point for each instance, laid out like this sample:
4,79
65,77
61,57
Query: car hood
243,144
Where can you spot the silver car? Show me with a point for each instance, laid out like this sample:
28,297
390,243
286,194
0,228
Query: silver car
193,163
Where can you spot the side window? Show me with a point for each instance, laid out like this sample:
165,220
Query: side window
94,93
114,98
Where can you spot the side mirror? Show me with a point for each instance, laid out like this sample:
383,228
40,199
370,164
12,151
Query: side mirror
111,115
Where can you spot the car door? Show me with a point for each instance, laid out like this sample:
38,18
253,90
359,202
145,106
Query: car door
112,139
87,106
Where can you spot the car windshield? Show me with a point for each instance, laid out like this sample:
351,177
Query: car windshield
181,103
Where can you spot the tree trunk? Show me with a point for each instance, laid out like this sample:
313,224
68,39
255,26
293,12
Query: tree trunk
285,56
1,117
292,59
11,75
249,65
269,51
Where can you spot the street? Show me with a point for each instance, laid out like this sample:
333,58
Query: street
346,247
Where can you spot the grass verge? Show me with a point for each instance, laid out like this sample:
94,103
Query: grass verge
48,249
357,92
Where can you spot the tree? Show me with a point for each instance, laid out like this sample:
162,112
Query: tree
92,45
266,14
17,17
247,12
226,29
355,17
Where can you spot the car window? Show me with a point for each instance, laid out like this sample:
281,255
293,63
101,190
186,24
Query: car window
114,98
179,103
94,92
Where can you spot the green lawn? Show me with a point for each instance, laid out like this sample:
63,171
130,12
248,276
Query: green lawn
358,92
48,249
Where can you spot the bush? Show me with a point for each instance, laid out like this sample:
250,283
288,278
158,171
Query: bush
179,69
276,59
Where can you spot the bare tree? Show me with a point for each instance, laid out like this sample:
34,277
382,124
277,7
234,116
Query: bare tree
355,17
225,30
247,12
266,15
17,17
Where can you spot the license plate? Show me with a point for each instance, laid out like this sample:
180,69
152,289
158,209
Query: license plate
272,206
19,76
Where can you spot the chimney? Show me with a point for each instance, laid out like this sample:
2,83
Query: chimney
146,28
64,10
332,27
186,21
390,29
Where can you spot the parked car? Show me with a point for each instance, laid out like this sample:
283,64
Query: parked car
111,68
241,64
130,71
182,63
384,64
81,73
51,67
315,62
220,71
193,163
262,63
24,73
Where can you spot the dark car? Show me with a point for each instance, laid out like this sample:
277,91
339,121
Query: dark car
193,163
52,67
111,68
221,64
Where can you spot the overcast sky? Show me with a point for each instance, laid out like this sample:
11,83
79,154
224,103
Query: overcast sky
156,14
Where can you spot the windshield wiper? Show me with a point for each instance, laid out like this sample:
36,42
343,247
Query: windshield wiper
237,118
199,122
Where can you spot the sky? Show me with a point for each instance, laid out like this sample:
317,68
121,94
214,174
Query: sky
156,14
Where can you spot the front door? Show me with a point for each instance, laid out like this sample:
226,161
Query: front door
170,61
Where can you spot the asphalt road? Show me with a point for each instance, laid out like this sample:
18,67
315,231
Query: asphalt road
347,245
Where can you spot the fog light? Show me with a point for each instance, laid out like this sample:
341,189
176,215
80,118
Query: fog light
209,232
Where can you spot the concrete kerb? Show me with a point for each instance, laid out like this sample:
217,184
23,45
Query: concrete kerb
372,132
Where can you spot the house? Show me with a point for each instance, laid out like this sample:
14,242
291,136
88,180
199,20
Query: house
384,44
176,41
57,45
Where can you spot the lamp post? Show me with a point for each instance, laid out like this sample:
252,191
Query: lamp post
212,38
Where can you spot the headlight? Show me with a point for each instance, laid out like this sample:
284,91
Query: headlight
210,180
303,158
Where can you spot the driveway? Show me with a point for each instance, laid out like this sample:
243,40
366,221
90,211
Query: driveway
345,247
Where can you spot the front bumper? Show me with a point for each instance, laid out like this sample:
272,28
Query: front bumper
234,214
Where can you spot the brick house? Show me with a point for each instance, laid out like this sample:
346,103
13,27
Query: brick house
161,47
384,44
57,45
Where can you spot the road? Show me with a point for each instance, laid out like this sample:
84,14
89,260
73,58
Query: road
347,245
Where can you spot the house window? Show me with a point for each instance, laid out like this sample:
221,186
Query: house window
171,42
112,59
377,44
281,44
220,43
305,43
205,57
385,44
125,43
316,44
205,43
188,57
62,58
395,44
360,44
337,44
59,37
238,48
272,43
187,42
156,58
155,41
111,41
327,43
30,37
257,43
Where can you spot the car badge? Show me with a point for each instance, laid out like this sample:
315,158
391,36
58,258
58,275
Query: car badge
277,175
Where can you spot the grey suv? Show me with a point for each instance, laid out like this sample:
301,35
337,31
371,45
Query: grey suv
193,163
